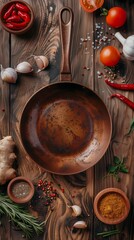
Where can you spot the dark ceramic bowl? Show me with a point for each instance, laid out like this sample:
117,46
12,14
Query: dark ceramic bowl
4,21
111,206
20,190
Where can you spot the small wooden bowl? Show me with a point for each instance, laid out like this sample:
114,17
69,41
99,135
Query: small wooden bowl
5,8
109,209
20,190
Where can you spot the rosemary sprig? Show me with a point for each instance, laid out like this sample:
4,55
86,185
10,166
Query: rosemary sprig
117,167
108,233
20,216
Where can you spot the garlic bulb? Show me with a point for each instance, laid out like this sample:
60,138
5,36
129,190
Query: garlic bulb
24,67
76,210
128,45
8,75
80,224
41,61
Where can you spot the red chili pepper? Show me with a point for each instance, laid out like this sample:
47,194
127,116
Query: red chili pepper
14,13
123,99
16,26
9,11
120,86
25,16
14,18
22,7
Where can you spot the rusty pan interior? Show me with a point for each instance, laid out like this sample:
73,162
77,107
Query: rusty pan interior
65,128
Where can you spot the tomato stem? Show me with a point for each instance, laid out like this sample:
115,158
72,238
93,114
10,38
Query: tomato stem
104,12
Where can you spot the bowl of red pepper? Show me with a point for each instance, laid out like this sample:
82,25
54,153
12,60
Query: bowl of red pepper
16,17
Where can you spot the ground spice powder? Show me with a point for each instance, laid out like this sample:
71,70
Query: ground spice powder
112,206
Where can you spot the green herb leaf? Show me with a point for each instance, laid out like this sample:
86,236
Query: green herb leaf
108,233
104,12
123,169
119,166
116,160
113,169
19,215
117,177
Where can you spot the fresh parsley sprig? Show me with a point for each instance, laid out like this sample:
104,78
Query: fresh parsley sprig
117,167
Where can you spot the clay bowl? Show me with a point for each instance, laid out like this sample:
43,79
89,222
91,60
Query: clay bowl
6,7
20,190
105,207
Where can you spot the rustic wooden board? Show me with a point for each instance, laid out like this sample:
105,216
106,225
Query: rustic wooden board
44,39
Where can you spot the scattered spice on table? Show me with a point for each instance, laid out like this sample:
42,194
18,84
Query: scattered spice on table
100,38
123,99
112,206
46,192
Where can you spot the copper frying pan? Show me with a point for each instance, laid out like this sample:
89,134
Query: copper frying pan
65,127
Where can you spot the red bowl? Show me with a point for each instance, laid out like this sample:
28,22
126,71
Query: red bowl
6,7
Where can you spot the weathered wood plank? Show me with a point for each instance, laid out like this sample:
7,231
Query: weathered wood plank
40,43
121,145
80,189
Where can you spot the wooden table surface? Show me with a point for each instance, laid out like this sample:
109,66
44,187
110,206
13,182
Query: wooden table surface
80,189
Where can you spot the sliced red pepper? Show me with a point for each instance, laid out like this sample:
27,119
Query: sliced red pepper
16,26
14,18
123,99
120,86
9,11
22,7
25,16
14,13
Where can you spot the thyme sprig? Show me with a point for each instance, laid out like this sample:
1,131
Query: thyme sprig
117,167
108,233
20,217
131,129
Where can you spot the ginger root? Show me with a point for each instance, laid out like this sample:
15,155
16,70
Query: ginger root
7,157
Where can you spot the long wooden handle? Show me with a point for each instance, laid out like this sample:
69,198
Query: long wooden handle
65,31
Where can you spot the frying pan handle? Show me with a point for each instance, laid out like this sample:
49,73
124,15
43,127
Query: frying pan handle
65,30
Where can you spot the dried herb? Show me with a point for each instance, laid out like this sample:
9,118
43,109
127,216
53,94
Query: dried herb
108,233
131,128
117,167
20,217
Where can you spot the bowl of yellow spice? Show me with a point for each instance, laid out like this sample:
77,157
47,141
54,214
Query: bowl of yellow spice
111,206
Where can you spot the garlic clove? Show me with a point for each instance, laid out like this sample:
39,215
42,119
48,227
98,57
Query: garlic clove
41,61
8,75
76,210
80,224
24,67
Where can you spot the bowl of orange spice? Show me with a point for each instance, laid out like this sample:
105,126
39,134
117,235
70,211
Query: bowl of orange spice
111,206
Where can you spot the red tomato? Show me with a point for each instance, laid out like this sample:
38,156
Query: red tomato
109,56
91,5
116,17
